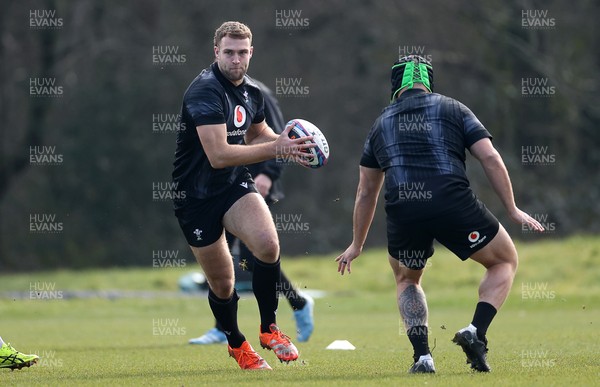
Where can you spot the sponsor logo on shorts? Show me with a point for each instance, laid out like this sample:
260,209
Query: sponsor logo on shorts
475,238
239,116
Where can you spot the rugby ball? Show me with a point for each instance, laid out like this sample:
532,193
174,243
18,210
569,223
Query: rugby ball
303,128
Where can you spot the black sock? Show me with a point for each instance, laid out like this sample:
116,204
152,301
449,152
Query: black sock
218,326
484,314
265,278
225,312
419,338
286,288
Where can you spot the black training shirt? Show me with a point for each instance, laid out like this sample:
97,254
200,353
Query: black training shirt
419,136
212,99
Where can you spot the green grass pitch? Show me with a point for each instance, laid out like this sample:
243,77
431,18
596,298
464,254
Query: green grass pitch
547,334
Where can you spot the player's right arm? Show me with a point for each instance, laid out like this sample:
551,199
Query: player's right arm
369,186
205,102
497,174
222,154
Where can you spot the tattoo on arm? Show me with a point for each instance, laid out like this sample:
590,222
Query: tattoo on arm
413,307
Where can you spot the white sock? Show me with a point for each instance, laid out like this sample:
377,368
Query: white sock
471,328
425,357
1,342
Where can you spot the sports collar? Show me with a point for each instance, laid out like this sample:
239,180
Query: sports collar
410,93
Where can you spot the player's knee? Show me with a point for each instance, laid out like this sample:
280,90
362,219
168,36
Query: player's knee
513,260
508,254
269,253
222,287
408,276
403,274
267,250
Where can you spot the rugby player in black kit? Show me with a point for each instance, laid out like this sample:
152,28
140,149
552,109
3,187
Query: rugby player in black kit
266,176
226,109
417,149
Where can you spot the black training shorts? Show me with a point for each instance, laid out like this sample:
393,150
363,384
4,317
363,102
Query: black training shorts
201,220
442,208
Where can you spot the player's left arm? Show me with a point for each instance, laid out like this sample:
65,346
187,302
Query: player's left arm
259,133
369,186
497,174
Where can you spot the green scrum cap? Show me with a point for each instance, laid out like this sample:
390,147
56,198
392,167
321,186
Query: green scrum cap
409,70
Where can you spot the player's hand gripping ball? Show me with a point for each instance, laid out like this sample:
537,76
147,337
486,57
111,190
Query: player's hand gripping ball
303,128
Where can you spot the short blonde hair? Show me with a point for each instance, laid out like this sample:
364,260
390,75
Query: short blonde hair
232,29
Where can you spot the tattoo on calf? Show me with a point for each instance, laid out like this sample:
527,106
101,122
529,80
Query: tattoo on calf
413,307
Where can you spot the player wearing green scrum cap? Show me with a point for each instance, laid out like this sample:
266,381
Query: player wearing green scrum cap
417,149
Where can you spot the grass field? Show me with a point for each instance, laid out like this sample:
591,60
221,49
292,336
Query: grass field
547,334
